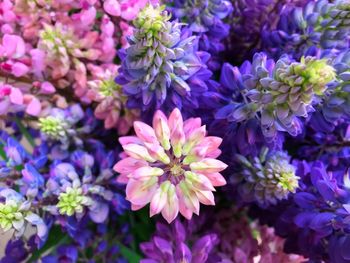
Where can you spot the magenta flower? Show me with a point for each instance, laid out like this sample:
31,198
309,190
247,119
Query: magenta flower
172,166
127,9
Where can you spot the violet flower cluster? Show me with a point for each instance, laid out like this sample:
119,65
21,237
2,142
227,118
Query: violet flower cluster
176,131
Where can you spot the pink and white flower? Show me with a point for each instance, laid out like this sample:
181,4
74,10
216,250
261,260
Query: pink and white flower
171,165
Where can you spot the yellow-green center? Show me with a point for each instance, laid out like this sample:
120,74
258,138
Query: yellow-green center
176,170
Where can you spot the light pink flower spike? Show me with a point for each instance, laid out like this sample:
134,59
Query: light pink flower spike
170,166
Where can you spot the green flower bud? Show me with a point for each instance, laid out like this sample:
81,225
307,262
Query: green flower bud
269,178
10,215
53,127
72,201
151,19
108,87
317,73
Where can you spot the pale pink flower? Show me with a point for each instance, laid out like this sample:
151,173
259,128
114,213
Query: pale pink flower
12,46
7,14
130,8
126,9
112,7
171,165
110,98
13,100
33,105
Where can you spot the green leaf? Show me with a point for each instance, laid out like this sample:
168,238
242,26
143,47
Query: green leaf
24,131
130,255
2,152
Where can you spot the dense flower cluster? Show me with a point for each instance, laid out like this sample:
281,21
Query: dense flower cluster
321,24
162,67
172,166
205,19
268,178
175,131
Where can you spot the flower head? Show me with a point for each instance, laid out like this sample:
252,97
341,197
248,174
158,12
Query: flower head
269,178
15,213
171,165
10,214
110,98
72,201
177,243
279,93
322,24
161,68
53,127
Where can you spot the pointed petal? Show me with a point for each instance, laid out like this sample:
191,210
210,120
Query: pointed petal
141,192
208,165
205,197
177,135
162,130
159,199
138,152
171,208
216,179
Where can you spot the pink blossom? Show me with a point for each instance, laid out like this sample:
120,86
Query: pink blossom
47,88
7,14
10,99
112,7
12,46
110,99
33,105
171,165
19,69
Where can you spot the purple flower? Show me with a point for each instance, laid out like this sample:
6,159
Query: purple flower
317,218
319,23
161,68
205,19
278,95
267,178
171,244
15,251
249,20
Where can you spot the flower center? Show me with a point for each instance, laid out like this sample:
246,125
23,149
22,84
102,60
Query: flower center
176,170
52,126
108,87
71,201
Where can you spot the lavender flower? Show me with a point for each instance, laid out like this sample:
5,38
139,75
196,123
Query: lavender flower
78,194
171,244
336,105
59,124
268,178
320,23
315,221
161,67
275,94
249,19
16,214
205,19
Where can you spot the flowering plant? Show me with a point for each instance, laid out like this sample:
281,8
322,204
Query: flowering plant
175,131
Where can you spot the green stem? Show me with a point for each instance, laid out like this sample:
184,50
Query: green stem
25,132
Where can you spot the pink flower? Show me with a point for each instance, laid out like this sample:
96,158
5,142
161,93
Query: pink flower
112,7
171,165
130,8
33,105
111,101
12,46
